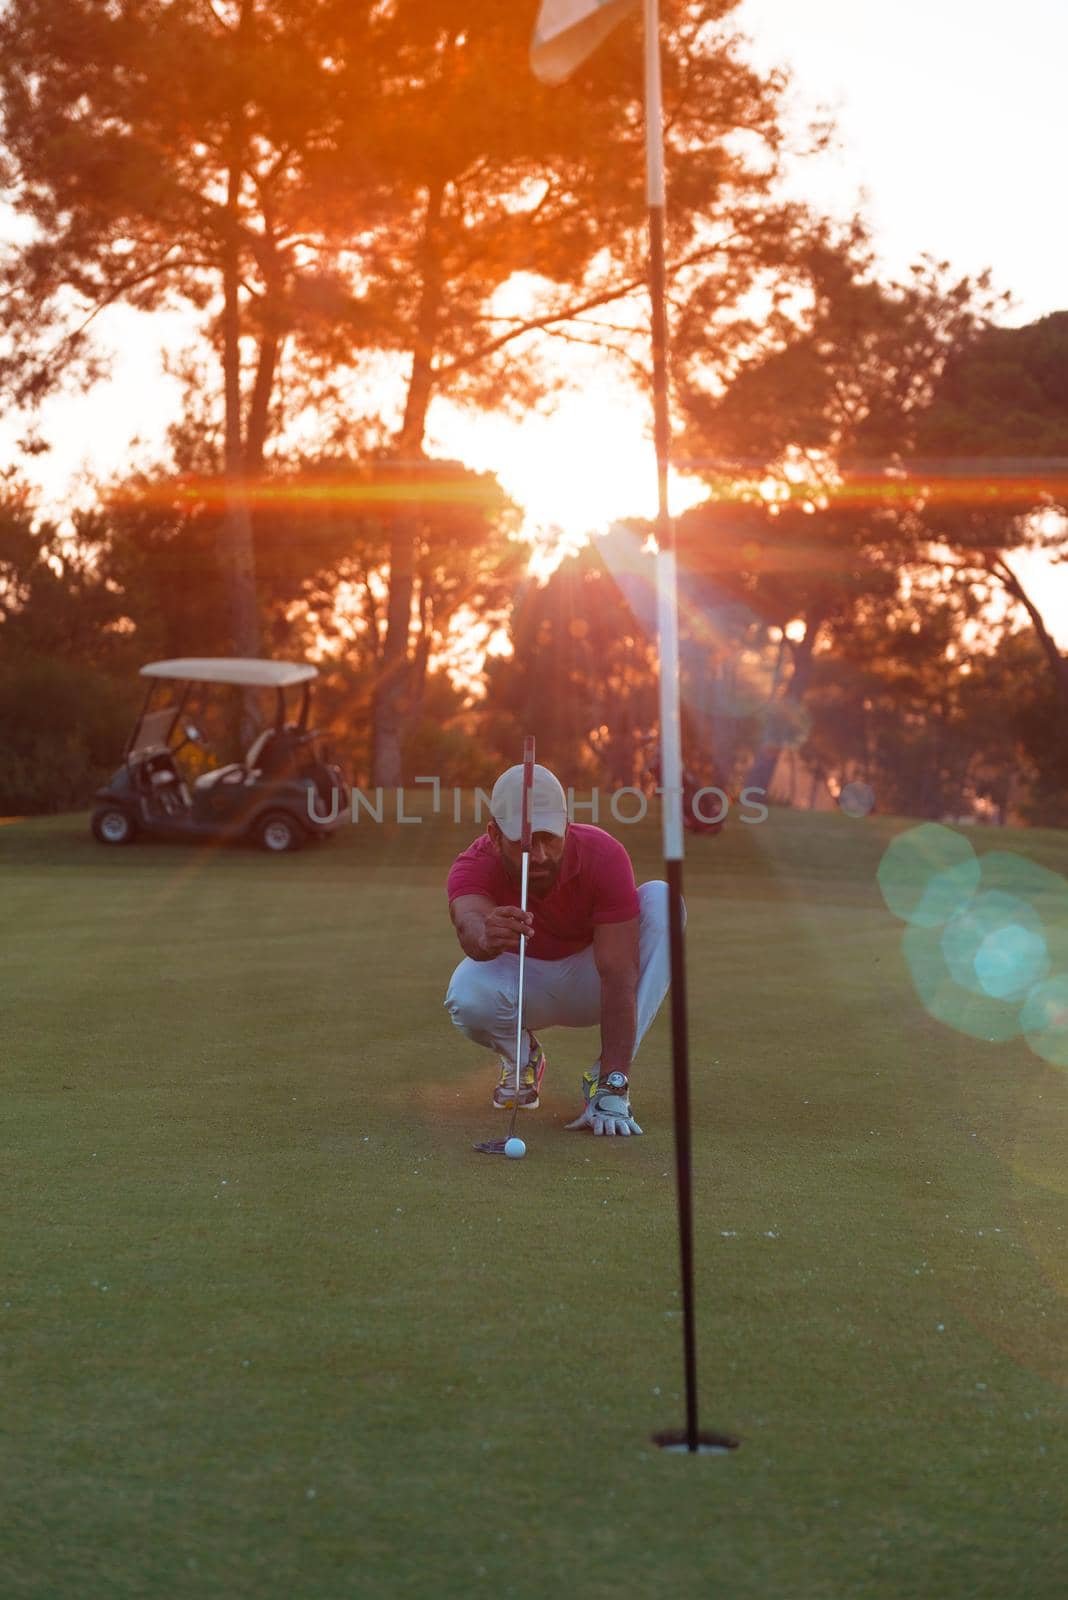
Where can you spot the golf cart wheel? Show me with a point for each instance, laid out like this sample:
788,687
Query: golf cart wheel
278,831
113,825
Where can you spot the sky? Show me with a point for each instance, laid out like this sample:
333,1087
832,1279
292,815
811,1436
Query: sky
953,120
951,117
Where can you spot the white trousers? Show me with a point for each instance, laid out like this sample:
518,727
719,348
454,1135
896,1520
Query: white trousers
558,994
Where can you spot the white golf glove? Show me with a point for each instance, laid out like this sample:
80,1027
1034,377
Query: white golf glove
607,1106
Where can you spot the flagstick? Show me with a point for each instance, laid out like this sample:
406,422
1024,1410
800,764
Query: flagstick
670,722
565,34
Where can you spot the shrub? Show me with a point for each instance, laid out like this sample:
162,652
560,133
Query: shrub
62,730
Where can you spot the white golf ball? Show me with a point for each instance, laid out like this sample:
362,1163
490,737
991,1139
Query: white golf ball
515,1148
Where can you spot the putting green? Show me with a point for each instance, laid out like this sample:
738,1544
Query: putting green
272,1329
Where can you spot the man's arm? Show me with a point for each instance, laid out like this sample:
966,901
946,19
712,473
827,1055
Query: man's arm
615,952
486,929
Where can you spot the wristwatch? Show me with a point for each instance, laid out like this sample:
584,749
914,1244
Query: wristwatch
616,1081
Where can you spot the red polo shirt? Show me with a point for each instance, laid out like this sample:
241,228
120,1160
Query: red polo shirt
595,885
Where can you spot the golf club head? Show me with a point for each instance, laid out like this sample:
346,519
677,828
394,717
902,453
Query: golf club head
492,1147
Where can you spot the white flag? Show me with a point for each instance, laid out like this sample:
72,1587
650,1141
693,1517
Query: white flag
568,31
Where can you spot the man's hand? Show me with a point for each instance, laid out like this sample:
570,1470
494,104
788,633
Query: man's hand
607,1106
486,930
502,929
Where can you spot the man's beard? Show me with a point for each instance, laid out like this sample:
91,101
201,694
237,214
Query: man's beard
539,887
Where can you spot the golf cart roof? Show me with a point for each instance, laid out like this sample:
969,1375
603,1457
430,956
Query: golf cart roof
248,671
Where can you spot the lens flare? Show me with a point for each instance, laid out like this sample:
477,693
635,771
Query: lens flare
987,942
996,946
928,875
969,1011
1045,892
857,799
1044,1020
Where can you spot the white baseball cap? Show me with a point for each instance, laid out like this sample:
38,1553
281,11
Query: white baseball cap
548,804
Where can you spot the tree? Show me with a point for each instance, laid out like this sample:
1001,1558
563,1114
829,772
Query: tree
353,179
848,373
895,705
323,530
1002,397
581,676
814,517
54,598
62,711
993,441
157,187
513,179
800,576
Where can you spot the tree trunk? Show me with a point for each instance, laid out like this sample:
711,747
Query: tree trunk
421,657
392,691
762,768
1057,663
260,404
236,553
236,549
391,706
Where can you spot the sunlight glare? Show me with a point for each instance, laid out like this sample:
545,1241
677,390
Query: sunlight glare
588,464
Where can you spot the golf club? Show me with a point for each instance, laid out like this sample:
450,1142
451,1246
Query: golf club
496,1147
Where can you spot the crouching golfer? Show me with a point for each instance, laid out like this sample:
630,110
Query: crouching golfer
597,950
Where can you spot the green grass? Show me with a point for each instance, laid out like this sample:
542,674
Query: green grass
271,1329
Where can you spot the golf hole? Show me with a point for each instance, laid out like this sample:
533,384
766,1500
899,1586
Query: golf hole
676,1441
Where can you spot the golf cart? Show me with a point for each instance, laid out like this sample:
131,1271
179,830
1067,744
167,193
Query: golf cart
273,797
